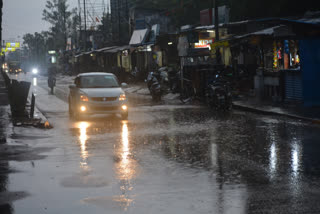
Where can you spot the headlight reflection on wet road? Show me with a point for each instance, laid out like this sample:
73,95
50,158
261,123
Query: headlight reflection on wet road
295,157
273,159
125,169
125,143
83,140
34,81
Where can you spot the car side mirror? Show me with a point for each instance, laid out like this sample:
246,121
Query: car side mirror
77,81
124,85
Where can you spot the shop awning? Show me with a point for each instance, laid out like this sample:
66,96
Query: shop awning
208,27
83,53
76,56
280,30
138,37
105,48
116,49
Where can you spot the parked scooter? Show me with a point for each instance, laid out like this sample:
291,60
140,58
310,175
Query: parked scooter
219,94
157,83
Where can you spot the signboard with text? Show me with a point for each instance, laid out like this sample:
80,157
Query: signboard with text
13,45
203,43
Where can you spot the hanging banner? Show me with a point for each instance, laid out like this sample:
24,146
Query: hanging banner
219,44
275,55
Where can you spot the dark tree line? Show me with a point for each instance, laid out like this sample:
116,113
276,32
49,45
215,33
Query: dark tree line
187,11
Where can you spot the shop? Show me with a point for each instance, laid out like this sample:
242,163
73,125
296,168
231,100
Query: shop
198,59
271,57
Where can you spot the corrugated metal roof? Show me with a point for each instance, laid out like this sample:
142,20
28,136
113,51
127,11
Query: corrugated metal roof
265,32
117,49
105,48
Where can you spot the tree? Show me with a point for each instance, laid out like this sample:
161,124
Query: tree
36,46
57,14
73,28
106,29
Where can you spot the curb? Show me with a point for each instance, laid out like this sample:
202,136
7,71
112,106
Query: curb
260,111
143,97
43,120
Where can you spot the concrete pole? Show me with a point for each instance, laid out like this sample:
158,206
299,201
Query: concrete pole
216,24
85,25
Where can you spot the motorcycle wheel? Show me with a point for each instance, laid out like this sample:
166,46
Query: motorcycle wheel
156,97
124,116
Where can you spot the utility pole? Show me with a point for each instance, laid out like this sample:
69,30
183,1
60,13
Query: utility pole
104,7
119,25
85,25
79,39
1,6
216,25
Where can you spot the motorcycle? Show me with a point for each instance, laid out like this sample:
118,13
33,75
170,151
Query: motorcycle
219,94
51,83
157,83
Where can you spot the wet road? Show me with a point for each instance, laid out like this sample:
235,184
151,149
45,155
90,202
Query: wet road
165,159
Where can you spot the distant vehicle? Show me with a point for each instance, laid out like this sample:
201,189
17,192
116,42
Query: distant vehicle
97,93
5,67
158,83
218,94
34,71
14,68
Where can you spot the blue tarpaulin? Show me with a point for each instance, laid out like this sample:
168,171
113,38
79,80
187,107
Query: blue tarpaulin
310,64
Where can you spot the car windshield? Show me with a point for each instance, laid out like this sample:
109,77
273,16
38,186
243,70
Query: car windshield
98,81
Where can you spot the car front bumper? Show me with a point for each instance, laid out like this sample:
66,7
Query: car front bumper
115,107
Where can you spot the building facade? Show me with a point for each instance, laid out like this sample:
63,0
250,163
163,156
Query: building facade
120,20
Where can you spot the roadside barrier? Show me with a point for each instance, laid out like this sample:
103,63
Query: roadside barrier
18,95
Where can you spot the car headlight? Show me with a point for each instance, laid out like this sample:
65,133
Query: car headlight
122,97
124,107
84,98
83,108
34,71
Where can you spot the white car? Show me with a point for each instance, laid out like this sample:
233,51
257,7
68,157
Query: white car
97,93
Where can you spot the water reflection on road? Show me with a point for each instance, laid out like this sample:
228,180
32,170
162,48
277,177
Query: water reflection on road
266,153
125,169
196,160
83,140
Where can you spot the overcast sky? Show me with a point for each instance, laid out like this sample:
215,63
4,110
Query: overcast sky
24,16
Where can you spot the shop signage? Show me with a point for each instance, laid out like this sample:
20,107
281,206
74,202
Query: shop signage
223,13
140,24
206,17
203,43
13,45
52,52
8,50
219,44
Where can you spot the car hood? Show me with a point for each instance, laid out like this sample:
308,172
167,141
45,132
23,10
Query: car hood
102,92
